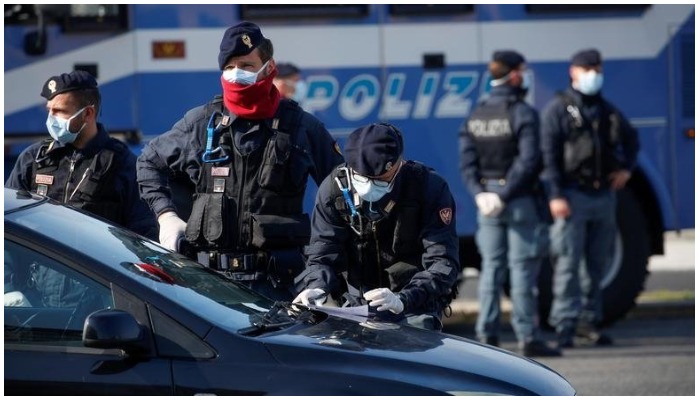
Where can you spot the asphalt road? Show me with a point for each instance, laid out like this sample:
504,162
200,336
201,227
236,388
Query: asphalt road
653,353
650,357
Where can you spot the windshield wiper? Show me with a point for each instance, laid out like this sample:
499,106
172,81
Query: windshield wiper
261,327
282,315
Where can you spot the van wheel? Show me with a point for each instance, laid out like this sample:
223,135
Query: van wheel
624,278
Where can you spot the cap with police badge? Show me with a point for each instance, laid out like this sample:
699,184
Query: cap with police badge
510,58
239,40
69,82
373,149
587,58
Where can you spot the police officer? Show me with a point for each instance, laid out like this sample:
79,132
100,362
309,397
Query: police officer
383,233
589,150
288,81
500,162
81,165
248,155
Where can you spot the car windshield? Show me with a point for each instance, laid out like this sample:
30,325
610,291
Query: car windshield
206,292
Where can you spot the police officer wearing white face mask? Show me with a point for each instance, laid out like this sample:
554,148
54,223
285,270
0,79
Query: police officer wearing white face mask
289,82
81,164
589,151
382,234
500,162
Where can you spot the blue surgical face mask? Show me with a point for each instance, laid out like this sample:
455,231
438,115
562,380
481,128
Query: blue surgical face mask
589,82
241,76
59,128
299,91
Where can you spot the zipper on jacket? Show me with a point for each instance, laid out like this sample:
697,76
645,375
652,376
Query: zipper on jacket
85,175
73,159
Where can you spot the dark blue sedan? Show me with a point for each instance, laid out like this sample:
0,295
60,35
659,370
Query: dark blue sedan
93,309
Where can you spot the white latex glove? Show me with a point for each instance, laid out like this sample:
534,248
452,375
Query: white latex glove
318,296
384,299
171,229
16,299
489,204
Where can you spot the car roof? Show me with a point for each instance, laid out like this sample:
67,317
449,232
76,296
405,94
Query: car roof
19,199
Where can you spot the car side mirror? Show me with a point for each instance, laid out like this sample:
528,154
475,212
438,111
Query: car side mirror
114,329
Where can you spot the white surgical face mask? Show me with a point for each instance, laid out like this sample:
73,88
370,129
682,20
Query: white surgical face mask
241,76
589,82
372,189
299,91
59,128
527,80
368,190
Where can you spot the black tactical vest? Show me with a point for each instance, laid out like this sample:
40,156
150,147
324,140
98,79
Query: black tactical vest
589,148
85,183
253,202
491,130
394,238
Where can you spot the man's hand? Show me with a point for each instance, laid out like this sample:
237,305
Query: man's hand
619,178
489,204
171,229
384,299
559,208
318,296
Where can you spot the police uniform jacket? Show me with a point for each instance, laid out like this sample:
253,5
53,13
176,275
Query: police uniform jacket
333,241
177,155
518,154
614,146
121,191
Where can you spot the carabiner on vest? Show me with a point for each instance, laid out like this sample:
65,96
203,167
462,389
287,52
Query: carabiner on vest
208,152
355,218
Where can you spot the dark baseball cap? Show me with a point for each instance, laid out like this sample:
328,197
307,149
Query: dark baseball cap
287,69
373,149
239,40
587,58
510,58
63,83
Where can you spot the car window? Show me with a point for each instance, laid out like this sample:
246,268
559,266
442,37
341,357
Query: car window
205,292
47,301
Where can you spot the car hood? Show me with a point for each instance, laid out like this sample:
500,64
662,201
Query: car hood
415,356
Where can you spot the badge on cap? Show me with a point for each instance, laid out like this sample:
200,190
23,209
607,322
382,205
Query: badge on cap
446,215
246,40
52,86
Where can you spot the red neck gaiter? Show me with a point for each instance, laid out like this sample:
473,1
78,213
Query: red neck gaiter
256,101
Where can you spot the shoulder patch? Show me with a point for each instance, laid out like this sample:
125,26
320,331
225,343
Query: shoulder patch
446,215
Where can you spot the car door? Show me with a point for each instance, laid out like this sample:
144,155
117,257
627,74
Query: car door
46,303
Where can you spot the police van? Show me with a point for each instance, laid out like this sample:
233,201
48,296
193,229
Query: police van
420,67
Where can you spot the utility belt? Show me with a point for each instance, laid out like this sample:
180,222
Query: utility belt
244,266
280,267
493,181
589,184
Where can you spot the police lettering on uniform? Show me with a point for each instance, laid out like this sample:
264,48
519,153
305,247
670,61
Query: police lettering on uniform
589,150
81,165
247,156
500,163
383,234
